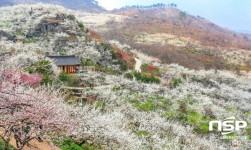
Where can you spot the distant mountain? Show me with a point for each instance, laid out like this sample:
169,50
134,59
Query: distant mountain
85,5
176,22
244,31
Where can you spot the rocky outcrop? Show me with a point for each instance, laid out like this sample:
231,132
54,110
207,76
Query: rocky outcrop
6,35
43,27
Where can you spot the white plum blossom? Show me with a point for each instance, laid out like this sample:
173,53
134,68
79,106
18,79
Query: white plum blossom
124,113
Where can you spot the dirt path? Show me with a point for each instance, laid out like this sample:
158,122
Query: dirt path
35,145
138,65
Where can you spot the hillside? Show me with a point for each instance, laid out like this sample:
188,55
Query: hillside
83,5
120,97
177,37
176,22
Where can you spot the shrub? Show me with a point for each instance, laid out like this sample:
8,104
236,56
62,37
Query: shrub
46,80
70,80
62,52
128,75
123,65
182,15
113,55
85,62
106,47
149,79
71,17
245,38
119,57
175,82
150,69
74,80
63,76
80,25
43,67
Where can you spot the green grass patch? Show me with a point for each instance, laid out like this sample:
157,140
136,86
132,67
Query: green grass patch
152,104
142,133
188,116
199,121
171,113
68,144
191,50
100,105
18,33
30,40
248,132
142,78
10,147
146,106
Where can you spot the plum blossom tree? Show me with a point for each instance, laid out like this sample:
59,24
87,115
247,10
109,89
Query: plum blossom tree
28,113
33,79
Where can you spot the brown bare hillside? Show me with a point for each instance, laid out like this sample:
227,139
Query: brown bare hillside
177,37
95,35
176,22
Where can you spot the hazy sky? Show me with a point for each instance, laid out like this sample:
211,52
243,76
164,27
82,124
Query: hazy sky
233,14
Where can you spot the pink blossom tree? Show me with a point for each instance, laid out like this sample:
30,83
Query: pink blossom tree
28,113
27,79
33,79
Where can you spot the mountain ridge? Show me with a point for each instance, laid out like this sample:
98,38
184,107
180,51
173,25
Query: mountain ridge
83,5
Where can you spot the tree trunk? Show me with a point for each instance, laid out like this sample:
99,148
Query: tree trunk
6,144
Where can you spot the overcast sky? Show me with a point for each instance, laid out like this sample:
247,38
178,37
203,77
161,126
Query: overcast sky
233,14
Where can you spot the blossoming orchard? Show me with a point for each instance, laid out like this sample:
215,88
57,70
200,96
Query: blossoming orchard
30,112
119,98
